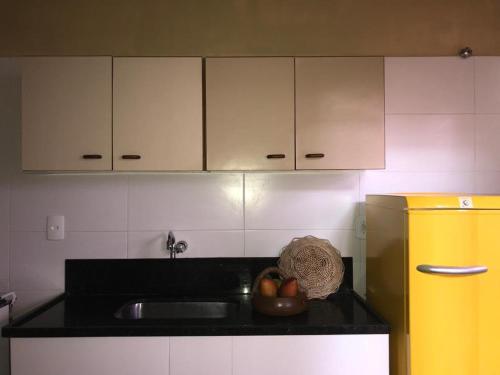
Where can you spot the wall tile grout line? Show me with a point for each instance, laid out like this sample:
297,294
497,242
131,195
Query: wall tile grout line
433,171
474,59
127,212
429,113
9,235
232,355
361,199
21,290
244,216
169,355
475,166
73,231
353,229
167,229
299,229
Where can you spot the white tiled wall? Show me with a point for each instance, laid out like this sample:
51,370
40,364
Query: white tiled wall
430,143
442,135
487,76
202,243
422,85
185,202
300,201
89,202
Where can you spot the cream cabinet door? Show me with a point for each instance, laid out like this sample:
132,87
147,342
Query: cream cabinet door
250,113
157,114
340,113
66,113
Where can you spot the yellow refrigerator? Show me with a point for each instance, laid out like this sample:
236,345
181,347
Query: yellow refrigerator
433,272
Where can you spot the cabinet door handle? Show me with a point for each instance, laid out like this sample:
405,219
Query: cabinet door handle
276,156
131,157
92,156
450,270
315,156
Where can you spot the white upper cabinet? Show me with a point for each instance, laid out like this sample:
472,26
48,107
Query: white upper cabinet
146,113
339,112
66,113
250,113
157,114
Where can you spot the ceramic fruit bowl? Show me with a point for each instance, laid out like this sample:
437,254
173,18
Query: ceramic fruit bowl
267,301
280,306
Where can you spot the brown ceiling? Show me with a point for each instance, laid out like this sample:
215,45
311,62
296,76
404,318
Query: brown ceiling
248,27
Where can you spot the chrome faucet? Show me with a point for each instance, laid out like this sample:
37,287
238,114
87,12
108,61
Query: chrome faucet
175,248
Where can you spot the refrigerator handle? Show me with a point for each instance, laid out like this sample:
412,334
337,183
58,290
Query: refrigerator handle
450,270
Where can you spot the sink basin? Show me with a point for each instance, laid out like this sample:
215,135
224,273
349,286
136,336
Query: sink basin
153,309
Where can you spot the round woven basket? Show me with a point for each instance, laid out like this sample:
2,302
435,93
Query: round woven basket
316,265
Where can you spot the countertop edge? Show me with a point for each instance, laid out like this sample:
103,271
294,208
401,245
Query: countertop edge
172,332
14,330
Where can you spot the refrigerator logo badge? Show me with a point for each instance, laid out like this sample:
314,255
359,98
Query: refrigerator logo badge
465,202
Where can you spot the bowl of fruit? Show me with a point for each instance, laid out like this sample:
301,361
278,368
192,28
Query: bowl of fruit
277,296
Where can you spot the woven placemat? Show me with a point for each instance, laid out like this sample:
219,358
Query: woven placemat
316,265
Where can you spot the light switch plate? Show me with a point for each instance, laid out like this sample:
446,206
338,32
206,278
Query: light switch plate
55,228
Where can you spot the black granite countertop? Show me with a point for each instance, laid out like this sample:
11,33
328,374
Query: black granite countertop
88,306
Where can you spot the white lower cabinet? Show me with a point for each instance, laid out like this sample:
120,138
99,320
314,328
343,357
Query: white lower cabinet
90,355
201,355
221,355
311,355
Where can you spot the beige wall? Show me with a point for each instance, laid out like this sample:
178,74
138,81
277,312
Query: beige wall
248,27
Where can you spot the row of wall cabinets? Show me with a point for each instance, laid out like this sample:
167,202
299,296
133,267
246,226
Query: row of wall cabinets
191,114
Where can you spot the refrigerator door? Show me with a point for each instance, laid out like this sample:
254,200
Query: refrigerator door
453,291
489,293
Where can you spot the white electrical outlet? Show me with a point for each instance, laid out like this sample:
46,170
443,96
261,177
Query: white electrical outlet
55,228
360,228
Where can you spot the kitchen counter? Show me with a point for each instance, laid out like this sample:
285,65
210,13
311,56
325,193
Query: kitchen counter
96,289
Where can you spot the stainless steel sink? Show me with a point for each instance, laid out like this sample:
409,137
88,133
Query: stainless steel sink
154,309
